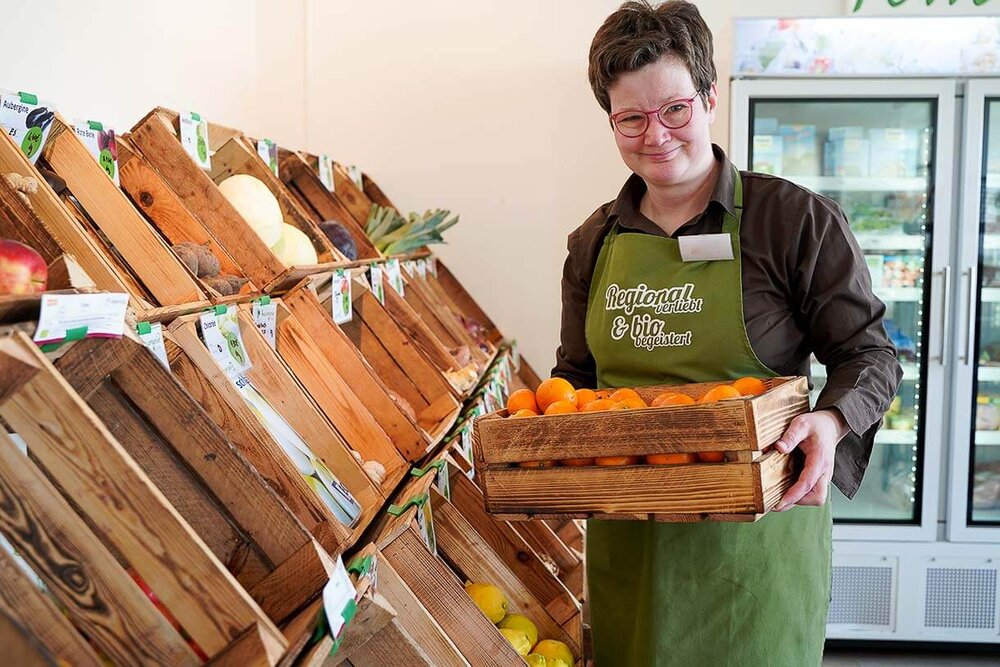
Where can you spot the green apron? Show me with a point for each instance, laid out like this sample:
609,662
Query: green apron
694,594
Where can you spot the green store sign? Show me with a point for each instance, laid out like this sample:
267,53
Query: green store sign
958,5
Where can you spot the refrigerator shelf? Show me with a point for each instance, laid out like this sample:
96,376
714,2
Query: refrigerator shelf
911,371
991,438
989,373
824,184
896,437
904,293
991,294
870,241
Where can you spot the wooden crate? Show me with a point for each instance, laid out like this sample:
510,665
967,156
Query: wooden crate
434,584
481,548
464,303
156,137
171,217
331,393
116,221
414,435
194,366
303,182
51,228
398,361
350,195
742,488
122,515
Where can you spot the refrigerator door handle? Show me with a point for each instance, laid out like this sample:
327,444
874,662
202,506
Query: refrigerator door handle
945,311
970,315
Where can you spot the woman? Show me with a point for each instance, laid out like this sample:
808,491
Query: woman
781,278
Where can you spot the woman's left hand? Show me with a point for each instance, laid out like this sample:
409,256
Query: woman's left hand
816,434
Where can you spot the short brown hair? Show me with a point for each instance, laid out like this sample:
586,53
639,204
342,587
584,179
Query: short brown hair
638,34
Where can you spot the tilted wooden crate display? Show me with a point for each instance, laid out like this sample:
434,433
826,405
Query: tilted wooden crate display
747,484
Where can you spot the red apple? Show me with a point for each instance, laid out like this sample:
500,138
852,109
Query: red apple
22,270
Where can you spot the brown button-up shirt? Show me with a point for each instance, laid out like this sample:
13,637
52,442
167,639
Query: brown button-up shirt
806,289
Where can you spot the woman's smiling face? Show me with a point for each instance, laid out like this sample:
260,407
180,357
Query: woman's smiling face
660,156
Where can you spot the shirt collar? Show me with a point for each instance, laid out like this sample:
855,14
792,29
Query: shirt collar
626,206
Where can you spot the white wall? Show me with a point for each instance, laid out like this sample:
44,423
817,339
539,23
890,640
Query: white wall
484,108
114,60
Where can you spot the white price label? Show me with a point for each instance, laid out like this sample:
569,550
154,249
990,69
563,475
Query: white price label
268,152
515,355
338,598
326,172
410,267
101,143
341,298
27,121
425,520
443,481
194,138
151,335
220,329
75,316
265,316
19,442
378,285
355,174
422,269
395,275
432,266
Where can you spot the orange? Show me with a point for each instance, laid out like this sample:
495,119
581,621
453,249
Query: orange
598,405
630,404
552,390
604,393
547,463
616,460
560,408
711,457
720,393
577,462
522,399
671,459
621,394
584,396
749,386
660,398
673,399
523,413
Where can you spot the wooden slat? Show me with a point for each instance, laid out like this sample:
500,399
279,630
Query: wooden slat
353,199
695,488
333,395
23,601
163,151
93,468
374,613
169,214
295,582
60,223
385,364
191,500
469,554
442,594
160,270
19,222
415,633
255,647
518,557
99,597
461,297
339,351
236,157
374,192
193,365
418,331
19,648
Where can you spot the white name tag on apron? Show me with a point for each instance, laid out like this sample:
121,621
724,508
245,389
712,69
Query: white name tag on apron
705,247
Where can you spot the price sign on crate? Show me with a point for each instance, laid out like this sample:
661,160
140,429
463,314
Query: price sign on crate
268,152
75,316
425,520
422,269
101,143
341,298
194,138
395,275
326,172
265,316
378,285
443,481
338,599
27,121
220,329
355,175
151,335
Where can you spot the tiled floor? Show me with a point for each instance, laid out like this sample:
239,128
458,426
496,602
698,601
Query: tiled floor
856,658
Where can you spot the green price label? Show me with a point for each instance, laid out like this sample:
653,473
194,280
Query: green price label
107,162
32,141
202,144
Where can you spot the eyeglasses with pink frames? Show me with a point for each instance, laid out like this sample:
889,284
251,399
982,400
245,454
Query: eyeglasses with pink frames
673,115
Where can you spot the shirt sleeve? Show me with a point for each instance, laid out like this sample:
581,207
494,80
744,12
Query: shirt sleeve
843,324
573,359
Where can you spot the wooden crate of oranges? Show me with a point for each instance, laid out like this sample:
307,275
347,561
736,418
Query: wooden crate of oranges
682,453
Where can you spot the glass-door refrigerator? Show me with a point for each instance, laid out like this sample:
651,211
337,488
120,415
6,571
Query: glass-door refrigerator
915,166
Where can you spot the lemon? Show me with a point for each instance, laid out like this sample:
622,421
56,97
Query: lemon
559,662
490,600
536,660
522,623
517,639
554,650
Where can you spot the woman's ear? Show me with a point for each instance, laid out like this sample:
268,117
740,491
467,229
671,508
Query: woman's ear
712,102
